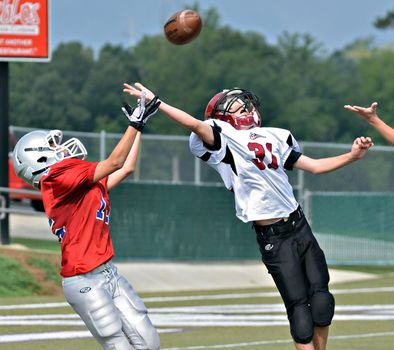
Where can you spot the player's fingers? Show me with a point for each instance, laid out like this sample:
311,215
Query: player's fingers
131,92
127,86
374,105
350,108
140,86
366,140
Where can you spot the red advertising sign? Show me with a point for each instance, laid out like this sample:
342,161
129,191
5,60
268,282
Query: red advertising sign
24,30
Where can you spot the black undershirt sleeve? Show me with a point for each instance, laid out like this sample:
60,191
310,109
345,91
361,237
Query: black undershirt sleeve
291,159
217,143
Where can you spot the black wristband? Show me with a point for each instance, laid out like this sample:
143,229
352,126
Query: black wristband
137,125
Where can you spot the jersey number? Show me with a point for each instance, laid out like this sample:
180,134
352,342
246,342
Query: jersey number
102,213
260,152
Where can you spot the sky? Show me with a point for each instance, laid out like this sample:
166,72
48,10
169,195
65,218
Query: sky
334,23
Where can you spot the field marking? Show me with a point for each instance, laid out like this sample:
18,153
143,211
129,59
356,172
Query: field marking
237,345
261,295
10,338
34,306
16,338
13,338
204,297
246,315
279,341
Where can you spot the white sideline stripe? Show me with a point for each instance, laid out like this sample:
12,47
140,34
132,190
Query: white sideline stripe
41,323
213,297
33,306
12,338
205,297
40,317
259,308
252,315
226,346
279,341
172,323
222,309
262,294
363,290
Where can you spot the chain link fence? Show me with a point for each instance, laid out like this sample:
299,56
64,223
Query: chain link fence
349,198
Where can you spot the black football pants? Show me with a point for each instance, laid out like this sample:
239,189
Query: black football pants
298,266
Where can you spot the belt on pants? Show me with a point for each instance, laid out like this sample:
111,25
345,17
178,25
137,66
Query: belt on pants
107,266
281,226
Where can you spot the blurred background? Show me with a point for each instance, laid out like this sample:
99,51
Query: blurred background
304,59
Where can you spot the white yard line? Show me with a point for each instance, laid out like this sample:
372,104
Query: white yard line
280,341
12,338
206,297
241,315
33,306
246,315
16,338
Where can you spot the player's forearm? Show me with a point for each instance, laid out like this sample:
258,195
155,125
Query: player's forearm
203,130
121,151
385,130
129,165
182,118
324,165
131,160
117,158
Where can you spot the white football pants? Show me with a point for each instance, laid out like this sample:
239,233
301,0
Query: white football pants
111,309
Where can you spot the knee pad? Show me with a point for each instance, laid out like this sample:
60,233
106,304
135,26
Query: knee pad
301,324
322,308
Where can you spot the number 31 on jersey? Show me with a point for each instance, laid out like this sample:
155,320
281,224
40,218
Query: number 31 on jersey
260,153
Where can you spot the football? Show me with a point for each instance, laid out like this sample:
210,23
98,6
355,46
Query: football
182,27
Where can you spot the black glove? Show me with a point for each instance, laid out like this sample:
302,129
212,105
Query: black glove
139,115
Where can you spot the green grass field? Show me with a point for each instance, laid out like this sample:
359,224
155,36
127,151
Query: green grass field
229,319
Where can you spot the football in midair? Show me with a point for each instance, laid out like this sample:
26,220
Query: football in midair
182,27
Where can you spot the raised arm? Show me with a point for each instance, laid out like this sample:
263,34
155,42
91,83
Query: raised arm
118,156
324,165
129,165
137,118
370,115
203,130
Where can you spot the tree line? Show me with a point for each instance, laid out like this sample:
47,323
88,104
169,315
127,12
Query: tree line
301,87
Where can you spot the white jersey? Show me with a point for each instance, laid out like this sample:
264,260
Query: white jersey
252,164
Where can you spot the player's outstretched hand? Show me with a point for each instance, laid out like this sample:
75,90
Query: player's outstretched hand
138,116
360,146
368,113
137,89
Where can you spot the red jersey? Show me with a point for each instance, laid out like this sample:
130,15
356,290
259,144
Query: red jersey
78,212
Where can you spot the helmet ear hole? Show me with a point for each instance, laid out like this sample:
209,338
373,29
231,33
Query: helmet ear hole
42,160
